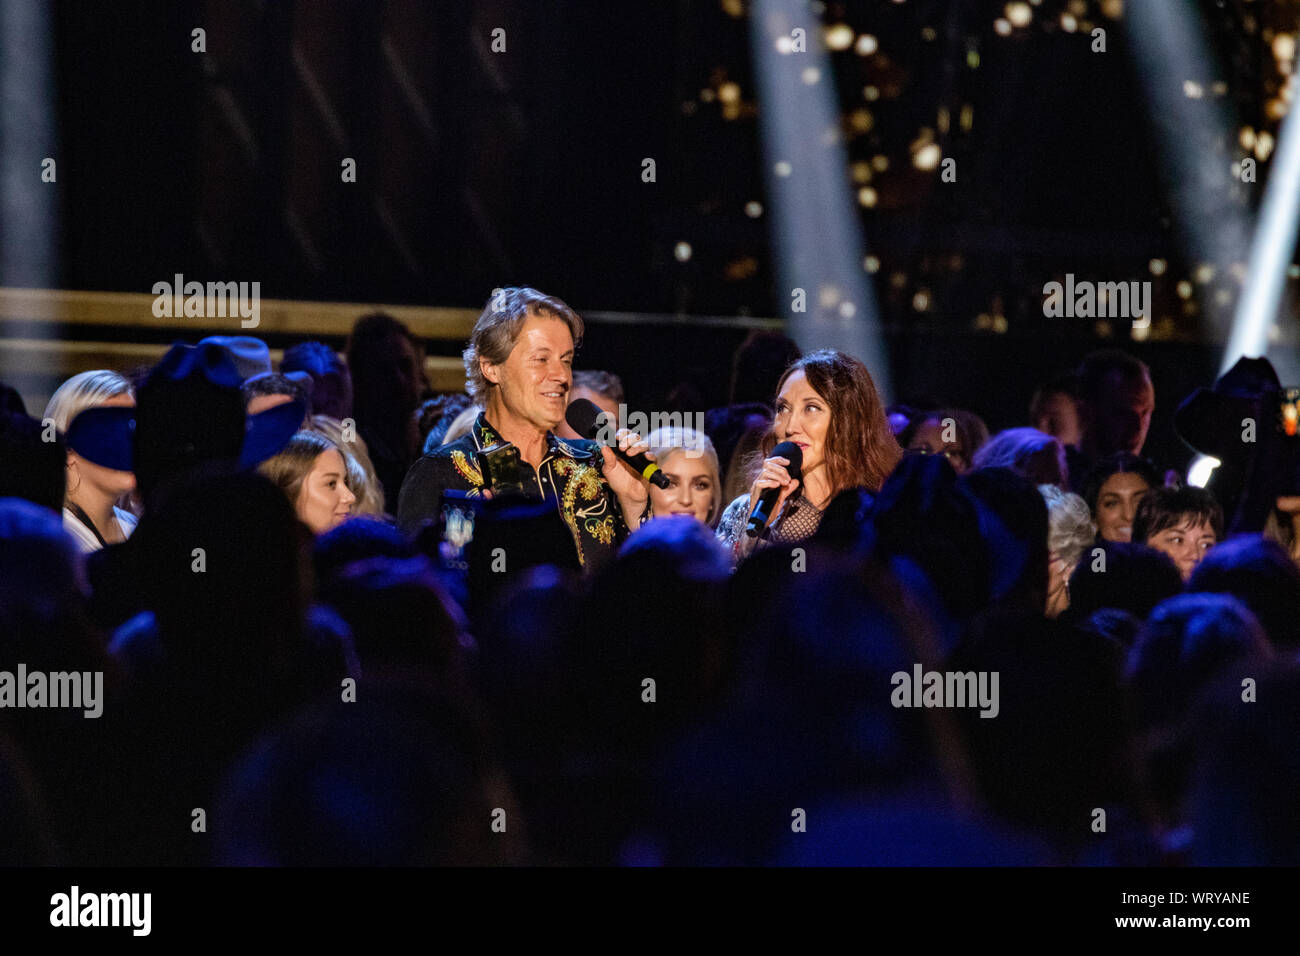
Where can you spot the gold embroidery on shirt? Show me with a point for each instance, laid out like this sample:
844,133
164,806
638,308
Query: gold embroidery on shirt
583,480
466,470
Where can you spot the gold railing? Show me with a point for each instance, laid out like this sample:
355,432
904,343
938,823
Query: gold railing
26,357
37,350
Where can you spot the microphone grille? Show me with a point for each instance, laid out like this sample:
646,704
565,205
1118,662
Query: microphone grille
583,416
788,449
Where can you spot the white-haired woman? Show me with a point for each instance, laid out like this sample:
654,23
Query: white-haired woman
90,503
690,463
1070,532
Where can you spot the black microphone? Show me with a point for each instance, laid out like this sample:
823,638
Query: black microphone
583,417
767,500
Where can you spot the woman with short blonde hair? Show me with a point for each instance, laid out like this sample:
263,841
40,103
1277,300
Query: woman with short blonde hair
90,504
688,459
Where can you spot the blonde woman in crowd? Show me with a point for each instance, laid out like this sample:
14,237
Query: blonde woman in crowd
91,512
362,479
312,473
687,458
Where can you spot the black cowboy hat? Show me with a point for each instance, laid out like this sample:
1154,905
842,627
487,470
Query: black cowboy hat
190,410
1240,421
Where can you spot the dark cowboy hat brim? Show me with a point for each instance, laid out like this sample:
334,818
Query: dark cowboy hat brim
266,433
1211,420
105,436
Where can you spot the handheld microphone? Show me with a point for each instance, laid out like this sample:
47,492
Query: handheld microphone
583,417
767,500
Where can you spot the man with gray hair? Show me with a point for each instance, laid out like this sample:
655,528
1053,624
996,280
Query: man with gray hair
519,370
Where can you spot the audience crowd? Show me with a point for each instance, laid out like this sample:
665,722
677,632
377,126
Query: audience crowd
339,619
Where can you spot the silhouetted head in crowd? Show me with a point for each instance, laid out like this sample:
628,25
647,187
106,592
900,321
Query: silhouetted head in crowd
11,403
180,424
1056,749
1013,529
686,545
904,420
436,416
631,680
923,517
331,392
356,540
190,417
843,520
25,838
1119,627
1116,400
1243,805
272,389
758,365
969,542
1121,576
727,427
1028,452
33,469
224,567
44,626
42,593
403,776
1258,573
952,432
672,569
402,621
1186,643
387,365
386,362
1184,523
816,672
1112,489
1054,409
522,643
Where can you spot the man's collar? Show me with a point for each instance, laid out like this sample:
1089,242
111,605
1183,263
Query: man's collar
485,436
